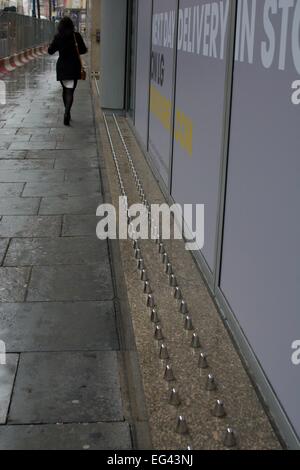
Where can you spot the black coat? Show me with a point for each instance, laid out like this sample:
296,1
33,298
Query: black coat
68,64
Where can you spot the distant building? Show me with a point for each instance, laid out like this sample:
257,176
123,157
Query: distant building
76,9
18,4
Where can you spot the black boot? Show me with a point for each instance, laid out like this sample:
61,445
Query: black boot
67,119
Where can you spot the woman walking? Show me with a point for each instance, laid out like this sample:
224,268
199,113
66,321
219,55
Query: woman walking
70,46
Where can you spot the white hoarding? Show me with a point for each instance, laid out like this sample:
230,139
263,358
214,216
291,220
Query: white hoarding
200,84
161,88
260,268
143,69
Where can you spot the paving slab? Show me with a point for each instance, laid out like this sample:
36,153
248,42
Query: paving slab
86,175
67,387
7,378
83,153
53,176
9,139
33,130
71,283
78,163
71,132
83,137
46,138
10,189
8,131
69,205
99,436
79,225
4,145
32,146
55,251
20,165
19,206
77,144
58,326
13,284
45,189
43,154
9,154
30,226
3,247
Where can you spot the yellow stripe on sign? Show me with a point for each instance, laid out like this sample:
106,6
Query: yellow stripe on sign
161,108
184,131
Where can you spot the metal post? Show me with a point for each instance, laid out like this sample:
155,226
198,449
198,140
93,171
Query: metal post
173,108
38,8
225,141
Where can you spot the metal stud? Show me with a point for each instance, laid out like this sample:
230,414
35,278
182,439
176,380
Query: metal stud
154,316
174,398
169,374
161,248
137,253
183,307
195,343
150,301
188,324
158,334
136,244
230,438
147,288
157,239
173,280
144,275
165,258
177,293
169,269
141,264
163,353
181,426
211,384
203,364
219,409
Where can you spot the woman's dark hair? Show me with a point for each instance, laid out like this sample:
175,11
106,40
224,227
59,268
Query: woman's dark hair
65,26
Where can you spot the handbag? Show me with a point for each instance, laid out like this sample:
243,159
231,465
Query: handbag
82,69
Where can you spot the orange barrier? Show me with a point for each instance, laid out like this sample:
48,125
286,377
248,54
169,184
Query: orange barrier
9,64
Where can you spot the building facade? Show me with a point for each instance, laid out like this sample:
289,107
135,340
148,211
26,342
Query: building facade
18,4
198,94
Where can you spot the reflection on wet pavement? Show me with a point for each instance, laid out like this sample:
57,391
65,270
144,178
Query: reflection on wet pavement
21,86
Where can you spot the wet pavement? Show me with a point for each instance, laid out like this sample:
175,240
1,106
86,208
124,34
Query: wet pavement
61,387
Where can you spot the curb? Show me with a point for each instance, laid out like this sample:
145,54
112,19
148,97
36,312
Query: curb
9,64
